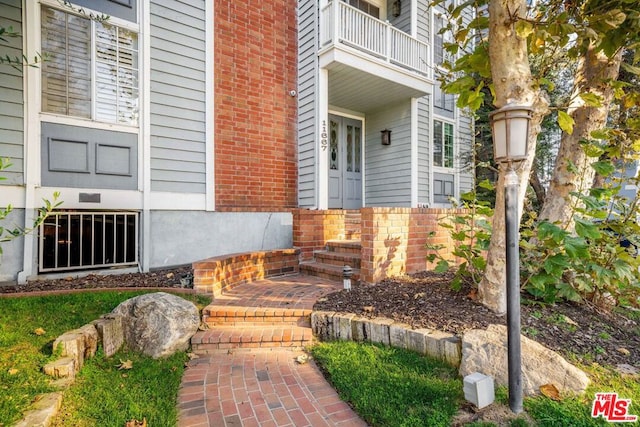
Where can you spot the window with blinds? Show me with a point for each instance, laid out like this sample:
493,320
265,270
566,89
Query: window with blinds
92,68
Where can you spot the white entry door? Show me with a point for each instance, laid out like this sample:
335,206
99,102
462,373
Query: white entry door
345,163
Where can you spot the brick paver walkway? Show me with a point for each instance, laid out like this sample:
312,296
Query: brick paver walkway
239,383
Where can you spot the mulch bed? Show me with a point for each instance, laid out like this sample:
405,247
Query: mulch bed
426,300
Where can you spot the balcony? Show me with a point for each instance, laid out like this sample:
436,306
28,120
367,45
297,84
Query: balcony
371,63
341,23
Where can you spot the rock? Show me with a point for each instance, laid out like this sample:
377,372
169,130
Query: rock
111,333
624,351
627,370
485,351
61,368
43,411
80,344
158,324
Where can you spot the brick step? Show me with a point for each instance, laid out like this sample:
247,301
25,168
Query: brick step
345,246
327,271
226,338
224,315
338,258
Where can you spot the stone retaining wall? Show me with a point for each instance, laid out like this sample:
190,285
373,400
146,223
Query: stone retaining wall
328,325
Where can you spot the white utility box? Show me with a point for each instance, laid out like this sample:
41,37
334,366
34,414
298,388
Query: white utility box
478,389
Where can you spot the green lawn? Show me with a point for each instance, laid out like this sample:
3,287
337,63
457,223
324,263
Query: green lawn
26,348
389,386
393,387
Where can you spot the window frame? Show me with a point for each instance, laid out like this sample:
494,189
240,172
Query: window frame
440,54
447,162
93,121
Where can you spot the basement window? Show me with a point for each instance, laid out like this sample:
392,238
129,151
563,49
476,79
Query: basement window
83,240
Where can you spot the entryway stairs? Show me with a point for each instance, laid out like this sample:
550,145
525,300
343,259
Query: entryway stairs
328,263
264,314
277,312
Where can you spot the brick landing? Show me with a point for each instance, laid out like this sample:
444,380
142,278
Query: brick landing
247,374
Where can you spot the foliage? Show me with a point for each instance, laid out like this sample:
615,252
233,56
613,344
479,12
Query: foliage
471,233
391,387
16,61
8,234
598,261
26,348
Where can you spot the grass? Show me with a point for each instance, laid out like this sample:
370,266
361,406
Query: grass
393,387
389,386
104,395
25,348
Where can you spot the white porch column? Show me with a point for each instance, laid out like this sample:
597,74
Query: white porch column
31,82
323,139
414,152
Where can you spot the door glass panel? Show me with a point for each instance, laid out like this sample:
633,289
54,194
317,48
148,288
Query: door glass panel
358,149
333,145
349,148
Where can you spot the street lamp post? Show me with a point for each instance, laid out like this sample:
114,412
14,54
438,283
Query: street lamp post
510,129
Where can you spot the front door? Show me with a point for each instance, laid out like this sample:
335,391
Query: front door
345,163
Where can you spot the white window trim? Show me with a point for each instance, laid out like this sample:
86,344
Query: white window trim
454,123
87,123
92,122
113,20
455,170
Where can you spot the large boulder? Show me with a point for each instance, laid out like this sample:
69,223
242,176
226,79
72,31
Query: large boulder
485,351
158,324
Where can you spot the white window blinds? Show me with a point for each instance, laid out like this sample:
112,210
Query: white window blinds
92,68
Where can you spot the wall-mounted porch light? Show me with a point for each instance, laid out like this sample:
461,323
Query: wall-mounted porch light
396,8
385,137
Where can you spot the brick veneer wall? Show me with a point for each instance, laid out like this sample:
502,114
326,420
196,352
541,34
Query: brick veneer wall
214,275
393,240
255,69
312,229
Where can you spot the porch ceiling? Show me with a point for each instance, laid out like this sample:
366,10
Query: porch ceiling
363,85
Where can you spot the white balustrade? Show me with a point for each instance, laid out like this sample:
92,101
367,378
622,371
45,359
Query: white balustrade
342,23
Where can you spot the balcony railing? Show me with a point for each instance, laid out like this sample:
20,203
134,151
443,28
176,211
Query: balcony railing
342,23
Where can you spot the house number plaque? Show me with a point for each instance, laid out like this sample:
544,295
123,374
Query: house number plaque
323,136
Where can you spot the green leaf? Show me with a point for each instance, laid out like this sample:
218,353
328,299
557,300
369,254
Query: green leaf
487,185
524,28
576,247
591,99
548,230
556,264
603,168
566,122
630,68
566,291
442,266
614,18
587,229
600,134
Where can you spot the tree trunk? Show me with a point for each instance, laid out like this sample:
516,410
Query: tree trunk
537,186
511,75
573,171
